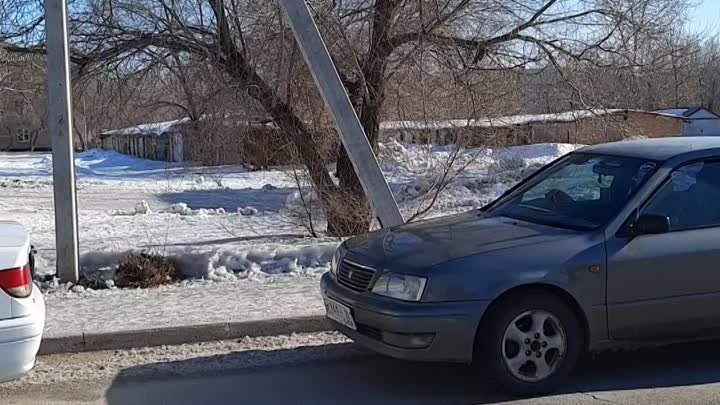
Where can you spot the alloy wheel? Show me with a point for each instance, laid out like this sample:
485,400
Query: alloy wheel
534,345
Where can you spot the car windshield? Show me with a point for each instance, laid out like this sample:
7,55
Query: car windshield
581,191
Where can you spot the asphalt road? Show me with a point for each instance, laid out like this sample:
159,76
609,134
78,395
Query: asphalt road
339,373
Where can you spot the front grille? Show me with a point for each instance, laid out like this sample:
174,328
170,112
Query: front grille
355,276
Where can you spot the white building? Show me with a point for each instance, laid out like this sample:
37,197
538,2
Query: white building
697,121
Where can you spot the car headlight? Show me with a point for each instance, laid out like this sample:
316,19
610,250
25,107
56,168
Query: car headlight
335,262
400,286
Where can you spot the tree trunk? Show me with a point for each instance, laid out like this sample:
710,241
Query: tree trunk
371,107
345,216
79,135
333,201
346,207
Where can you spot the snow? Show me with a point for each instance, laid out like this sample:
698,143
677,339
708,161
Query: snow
496,122
485,173
248,211
155,128
189,303
674,112
248,227
160,128
243,249
127,204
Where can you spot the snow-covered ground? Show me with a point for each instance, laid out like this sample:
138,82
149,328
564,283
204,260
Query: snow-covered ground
219,222
228,223
242,252
189,303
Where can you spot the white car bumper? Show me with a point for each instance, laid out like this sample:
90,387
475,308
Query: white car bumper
20,340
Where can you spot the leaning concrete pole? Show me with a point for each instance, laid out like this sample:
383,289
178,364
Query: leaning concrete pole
346,120
60,127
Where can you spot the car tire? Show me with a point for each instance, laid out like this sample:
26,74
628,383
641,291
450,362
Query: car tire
499,348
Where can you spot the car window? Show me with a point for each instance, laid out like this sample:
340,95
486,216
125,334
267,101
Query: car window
576,181
580,191
690,198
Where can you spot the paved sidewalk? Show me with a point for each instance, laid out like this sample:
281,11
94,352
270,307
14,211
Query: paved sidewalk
198,311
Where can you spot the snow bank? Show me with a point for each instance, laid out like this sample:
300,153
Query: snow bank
301,202
143,208
256,263
19,183
134,205
248,211
220,264
179,208
473,177
396,157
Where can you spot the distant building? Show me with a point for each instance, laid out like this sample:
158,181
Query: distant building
581,127
697,121
19,134
229,140
157,141
210,140
21,119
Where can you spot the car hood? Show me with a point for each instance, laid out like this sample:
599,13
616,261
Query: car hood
427,243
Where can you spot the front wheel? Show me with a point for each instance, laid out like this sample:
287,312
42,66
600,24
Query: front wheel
530,343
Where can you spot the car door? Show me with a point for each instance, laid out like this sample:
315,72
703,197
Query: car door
668,285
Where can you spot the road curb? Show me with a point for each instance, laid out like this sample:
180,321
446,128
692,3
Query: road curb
88,342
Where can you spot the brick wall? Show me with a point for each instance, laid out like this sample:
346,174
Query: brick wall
593,130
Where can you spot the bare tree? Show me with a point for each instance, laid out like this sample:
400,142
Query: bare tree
371,40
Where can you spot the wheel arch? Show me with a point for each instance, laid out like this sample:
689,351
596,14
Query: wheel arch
559,292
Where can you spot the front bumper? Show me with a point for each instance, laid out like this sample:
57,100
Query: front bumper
391,327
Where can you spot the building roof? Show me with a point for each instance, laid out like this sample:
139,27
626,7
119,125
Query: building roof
657,148
160,128
684,112
151,129
500,122
165,127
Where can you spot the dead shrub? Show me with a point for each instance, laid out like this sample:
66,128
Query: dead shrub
92,282
145,271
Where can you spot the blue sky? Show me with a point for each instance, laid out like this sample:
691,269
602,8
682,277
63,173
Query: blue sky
705,15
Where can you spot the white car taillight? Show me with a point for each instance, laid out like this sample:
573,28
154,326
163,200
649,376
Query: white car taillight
17,282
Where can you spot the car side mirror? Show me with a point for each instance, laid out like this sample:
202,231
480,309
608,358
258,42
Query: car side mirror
651,225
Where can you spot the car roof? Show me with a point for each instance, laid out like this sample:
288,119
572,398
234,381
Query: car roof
660,149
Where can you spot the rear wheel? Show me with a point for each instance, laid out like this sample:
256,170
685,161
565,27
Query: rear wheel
530,342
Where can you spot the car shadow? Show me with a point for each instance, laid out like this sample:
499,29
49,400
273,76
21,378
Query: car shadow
332,377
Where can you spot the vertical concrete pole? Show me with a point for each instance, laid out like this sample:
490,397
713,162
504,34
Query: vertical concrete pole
60,127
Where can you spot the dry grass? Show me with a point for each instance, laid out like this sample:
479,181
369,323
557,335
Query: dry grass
145,271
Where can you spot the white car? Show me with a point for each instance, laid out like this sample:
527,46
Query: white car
22,307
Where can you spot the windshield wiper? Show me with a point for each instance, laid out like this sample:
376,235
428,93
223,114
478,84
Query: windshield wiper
532,207
583,226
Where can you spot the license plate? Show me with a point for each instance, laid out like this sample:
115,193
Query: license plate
340,313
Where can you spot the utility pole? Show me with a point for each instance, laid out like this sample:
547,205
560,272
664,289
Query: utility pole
346,120
60,127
